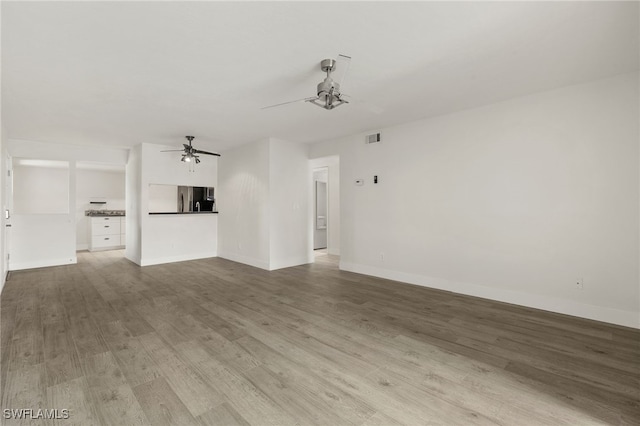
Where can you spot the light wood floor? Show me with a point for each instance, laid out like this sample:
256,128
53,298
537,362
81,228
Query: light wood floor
217,342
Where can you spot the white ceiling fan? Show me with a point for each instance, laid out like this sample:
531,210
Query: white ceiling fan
189,152
328,95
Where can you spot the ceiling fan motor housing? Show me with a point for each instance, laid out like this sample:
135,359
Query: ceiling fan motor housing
324,88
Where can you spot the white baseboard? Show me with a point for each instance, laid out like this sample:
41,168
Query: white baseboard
106,248
134,259
269,266
558,305
13,266
246,260
288,263
171,259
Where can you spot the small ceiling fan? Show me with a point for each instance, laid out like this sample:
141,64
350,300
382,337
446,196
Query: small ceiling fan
328,93
189,152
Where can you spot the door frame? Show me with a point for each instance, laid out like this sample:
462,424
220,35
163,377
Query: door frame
334,211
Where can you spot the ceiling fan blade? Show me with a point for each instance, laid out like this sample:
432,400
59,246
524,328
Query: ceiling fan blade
290,102
341,68
197,151
173,150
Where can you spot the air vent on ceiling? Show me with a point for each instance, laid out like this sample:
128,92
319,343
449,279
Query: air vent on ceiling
374,138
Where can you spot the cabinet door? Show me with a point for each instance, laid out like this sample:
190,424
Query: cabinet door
100,241
106,228
105,219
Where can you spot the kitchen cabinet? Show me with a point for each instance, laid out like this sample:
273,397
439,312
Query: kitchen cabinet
106,232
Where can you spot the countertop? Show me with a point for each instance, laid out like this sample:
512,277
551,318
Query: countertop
104,213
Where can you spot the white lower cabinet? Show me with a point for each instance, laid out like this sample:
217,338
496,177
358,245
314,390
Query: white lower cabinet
106,232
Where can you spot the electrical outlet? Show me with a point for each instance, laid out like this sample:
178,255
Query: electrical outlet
579,283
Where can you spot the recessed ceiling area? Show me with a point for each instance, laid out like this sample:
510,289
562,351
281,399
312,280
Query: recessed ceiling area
119,73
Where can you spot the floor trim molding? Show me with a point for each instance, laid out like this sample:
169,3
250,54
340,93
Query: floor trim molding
257,263
557,305
171,259
13,266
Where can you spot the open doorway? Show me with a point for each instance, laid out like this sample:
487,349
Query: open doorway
100,210
321,207
325,208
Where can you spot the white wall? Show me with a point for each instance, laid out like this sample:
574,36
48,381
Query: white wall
289,185
3,172
332,163
167,238
163,198
108,186
174,238
263,204
20,148
41,190
42,240
133,219
42,223
513,201
46,238
243,202
3,201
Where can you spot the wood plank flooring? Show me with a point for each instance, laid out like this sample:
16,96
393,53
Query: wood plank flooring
213,342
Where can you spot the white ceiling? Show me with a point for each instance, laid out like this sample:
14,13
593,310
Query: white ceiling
117,73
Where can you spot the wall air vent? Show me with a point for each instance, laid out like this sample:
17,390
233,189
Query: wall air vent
374,138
